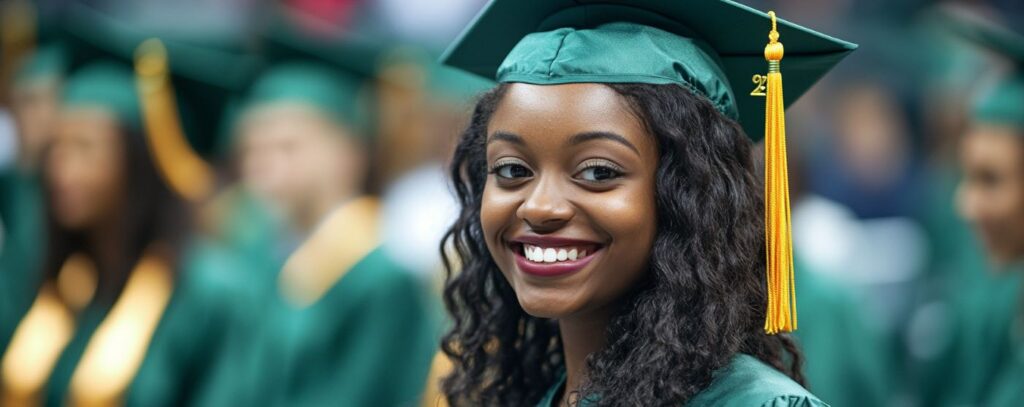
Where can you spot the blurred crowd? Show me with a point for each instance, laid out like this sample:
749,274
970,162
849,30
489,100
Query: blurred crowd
241,202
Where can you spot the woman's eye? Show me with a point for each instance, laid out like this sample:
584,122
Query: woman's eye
512,171
599,173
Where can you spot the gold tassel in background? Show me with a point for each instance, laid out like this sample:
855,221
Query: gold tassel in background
781,316
183,170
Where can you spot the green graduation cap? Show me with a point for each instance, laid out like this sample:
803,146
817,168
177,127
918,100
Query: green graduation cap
106,84
718,49
1002,102
330,72
714,47
47,62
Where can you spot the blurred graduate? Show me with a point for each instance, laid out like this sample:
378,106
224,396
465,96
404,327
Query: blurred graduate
984,362
35,97
338,321
128,307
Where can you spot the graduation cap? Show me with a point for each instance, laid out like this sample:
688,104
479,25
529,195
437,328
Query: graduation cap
181,86
46,62
1002,103
330,72
714,48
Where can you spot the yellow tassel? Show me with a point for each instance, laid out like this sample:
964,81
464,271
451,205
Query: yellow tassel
781,316
183,170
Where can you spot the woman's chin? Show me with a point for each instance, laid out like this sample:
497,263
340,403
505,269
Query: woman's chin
547,304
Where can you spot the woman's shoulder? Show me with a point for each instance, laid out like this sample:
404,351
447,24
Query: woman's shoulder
747,381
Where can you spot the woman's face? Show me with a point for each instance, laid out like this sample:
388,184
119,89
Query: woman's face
568,210
85,169
991,195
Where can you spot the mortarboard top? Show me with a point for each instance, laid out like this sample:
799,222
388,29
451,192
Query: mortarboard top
714,47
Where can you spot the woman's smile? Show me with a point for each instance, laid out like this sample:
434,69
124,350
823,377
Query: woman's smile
551,256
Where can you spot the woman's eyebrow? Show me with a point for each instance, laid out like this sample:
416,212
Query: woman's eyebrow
601,135
506,136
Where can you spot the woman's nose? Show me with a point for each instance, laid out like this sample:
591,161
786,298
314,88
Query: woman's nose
546,206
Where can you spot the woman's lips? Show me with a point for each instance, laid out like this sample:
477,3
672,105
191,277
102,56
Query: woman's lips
550,257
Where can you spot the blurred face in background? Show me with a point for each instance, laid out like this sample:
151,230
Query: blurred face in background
35,107
872,134
85,168
298,161
991,194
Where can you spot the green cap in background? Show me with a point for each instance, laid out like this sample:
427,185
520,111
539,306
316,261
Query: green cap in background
712,47
1002,102
333,73
327,90
204,73
107,85
48,61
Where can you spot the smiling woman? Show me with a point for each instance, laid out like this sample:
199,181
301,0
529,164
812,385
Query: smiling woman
612,242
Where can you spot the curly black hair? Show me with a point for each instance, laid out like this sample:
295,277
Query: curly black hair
702,300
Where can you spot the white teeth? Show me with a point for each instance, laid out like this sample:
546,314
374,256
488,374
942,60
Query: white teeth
551,255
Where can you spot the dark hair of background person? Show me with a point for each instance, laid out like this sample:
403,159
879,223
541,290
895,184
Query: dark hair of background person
152,213
702,300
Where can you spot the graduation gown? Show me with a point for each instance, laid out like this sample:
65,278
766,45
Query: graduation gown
744,382
845,359
341,324
21,243
1008,387
149,347
983,348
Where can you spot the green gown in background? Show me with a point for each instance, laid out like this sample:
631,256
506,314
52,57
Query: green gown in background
844,357
21,211
744,382
1008,387
367,340
22,206
984,344
184,346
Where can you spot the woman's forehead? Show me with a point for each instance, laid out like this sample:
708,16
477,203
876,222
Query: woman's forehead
557,112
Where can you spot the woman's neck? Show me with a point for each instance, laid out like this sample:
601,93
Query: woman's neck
582,336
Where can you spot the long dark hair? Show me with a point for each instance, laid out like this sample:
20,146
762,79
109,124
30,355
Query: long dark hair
153,213
701,302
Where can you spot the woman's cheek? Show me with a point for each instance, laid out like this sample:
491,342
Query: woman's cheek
497,212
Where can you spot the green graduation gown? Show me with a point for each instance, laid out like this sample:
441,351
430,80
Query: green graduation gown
744,382
982,349
1008,387
845,359
184,345
21,212
366,338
